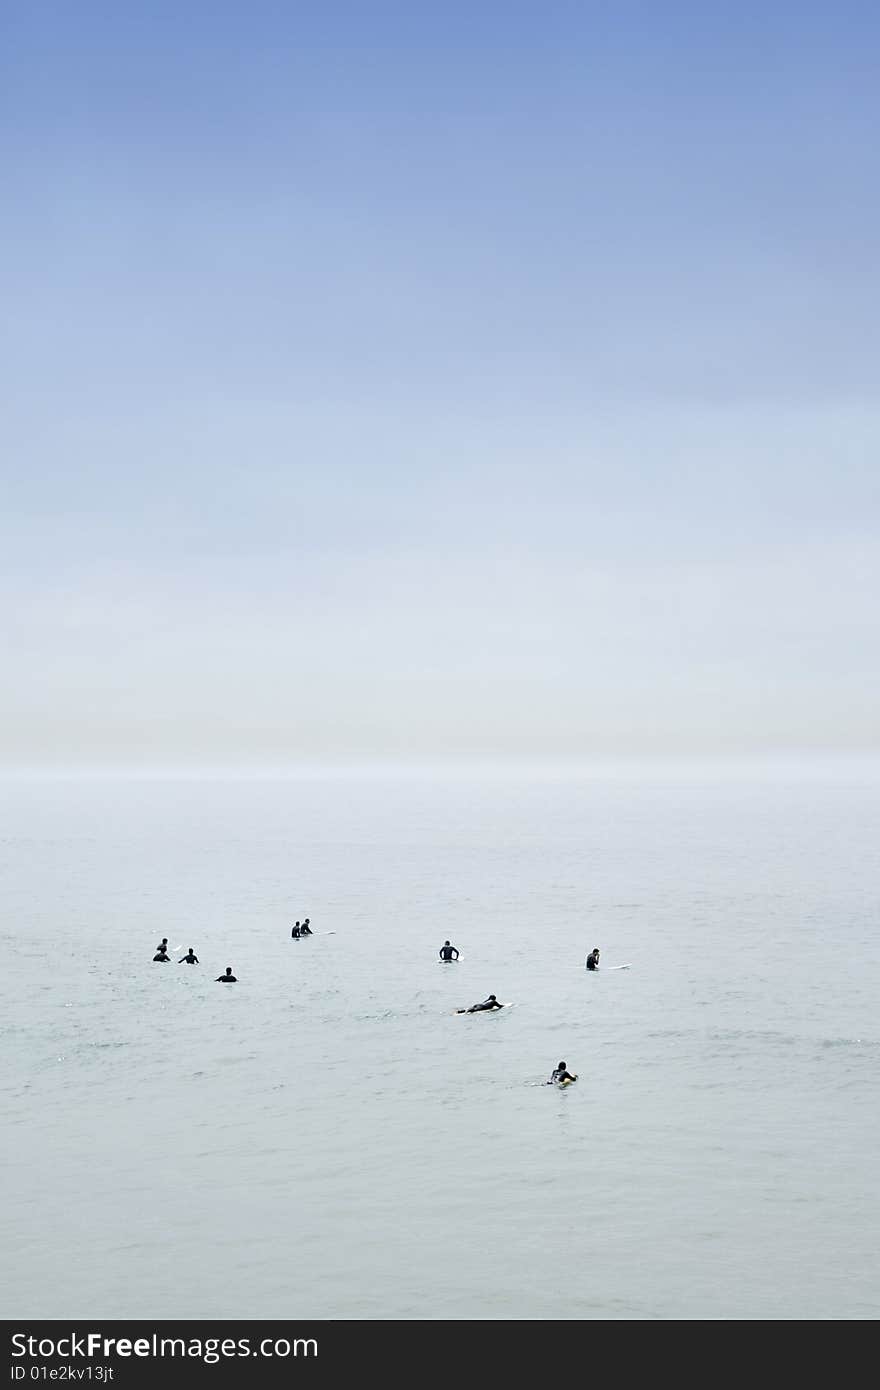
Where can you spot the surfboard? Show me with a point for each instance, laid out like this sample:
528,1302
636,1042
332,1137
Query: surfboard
566,1081
487,1011
606,968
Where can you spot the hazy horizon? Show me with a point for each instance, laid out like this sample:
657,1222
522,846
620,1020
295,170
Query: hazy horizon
487,384
659,770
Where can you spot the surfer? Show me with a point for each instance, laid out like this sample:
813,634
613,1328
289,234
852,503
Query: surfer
296,932
593,959
162,948
161,955
490,1003
305,929
448,952
191,958
228,978
560,1073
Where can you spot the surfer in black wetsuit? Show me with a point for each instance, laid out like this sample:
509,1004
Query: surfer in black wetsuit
296,932
228,978
191,958
305,929
448,952
162,948
593,959
161,955
490,1003
560,1074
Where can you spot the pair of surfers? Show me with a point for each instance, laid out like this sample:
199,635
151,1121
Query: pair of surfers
162,954
448,952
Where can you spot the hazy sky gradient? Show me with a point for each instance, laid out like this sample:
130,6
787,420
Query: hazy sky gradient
403,380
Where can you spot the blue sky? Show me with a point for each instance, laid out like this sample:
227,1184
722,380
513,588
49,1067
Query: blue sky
387,380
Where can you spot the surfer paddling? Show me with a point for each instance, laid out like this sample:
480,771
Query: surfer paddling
487,1004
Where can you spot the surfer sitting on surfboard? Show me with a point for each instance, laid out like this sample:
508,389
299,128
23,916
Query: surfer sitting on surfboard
490,1003
305,929
448,952
161,955
296,932
593,959
560,1074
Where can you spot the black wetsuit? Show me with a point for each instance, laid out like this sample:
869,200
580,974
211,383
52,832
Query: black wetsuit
161,955
305,931
592,962
448,953
486,1004
560,1074
191,958
226,980
296,933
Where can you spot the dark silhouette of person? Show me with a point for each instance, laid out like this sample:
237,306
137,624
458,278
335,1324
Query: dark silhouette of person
228,978
560,1074
490,1003
191,958
296,932
305,929
162,948
448,952
593,959
161,955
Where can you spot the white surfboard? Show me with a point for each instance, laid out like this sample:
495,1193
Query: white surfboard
501,1003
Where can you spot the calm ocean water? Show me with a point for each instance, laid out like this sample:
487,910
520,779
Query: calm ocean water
328,1139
